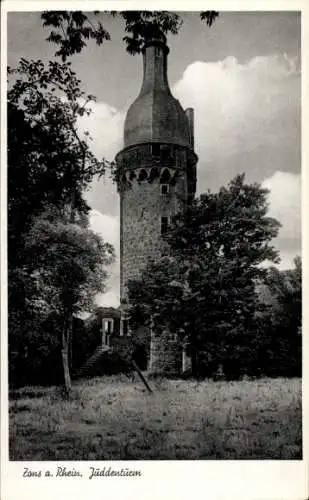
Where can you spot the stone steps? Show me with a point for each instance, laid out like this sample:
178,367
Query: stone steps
86,367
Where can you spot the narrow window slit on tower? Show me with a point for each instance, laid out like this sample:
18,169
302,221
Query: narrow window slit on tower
164,224
165,188
155,149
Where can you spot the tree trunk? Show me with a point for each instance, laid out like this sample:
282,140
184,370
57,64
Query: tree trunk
70,340
66,372
65,358
194,361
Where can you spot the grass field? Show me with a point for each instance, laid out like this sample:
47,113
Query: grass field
111,418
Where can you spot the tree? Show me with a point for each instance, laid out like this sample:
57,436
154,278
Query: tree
282,319
72,30
286,287
49,162
68,270
205,288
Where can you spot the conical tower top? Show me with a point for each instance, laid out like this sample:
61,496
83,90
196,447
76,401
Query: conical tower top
155,115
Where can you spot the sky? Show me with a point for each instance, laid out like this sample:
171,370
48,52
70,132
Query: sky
243,79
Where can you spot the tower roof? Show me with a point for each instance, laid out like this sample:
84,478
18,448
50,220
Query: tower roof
155,115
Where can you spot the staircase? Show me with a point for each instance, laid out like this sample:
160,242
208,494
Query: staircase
86,367
102,349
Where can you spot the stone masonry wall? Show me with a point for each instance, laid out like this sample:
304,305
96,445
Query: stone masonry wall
165,354
142,205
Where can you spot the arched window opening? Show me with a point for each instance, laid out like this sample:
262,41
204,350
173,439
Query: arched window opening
154,172
165,176
142,175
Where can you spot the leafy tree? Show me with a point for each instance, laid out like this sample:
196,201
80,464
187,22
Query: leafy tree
286,287
49,162
67,271
209,16
72,30
205,288
138,23
282,319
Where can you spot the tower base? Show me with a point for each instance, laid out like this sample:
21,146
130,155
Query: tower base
165,355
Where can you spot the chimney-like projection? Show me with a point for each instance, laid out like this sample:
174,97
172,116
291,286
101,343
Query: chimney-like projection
190,115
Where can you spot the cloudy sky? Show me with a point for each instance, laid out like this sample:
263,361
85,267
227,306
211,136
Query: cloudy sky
242,77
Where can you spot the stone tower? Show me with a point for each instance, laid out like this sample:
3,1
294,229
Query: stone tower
156,174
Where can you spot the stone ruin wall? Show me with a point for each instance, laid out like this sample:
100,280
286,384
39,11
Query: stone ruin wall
165,354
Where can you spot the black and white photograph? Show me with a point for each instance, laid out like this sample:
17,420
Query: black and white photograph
154,247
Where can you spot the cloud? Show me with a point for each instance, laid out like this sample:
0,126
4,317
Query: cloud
105,125
108,227
108,299
241,107
103,196
285,206
285,202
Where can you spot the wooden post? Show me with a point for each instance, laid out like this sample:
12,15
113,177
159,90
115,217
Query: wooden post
136,368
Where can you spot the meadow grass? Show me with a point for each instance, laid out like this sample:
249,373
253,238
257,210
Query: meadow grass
111,418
